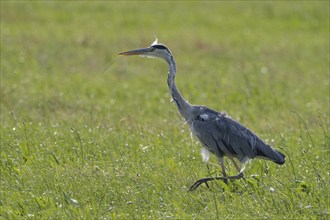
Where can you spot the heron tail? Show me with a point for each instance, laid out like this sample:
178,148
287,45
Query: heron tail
267,152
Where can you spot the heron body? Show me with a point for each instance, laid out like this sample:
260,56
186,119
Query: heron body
218,133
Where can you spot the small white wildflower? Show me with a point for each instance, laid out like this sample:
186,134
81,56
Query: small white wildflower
74,201
264,70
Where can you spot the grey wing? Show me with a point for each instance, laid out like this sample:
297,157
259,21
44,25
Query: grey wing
204,131
225,136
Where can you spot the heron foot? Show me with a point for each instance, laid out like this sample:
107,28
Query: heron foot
207,179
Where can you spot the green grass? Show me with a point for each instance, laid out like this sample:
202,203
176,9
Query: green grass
80,140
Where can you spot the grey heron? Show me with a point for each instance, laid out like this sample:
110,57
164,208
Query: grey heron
218,133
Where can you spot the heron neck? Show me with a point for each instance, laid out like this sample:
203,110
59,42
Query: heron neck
184,107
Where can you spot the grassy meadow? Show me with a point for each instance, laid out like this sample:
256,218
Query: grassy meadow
86,134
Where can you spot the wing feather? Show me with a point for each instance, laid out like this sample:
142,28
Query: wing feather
224,136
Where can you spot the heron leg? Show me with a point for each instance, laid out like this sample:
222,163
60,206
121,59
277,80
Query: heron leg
224,172
235,164
224,178
240,170
207,179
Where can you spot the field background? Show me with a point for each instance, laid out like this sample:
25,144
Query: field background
87,134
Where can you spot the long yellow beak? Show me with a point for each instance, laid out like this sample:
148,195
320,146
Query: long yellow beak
141,51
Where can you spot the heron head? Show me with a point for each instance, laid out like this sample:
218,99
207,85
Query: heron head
154,51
